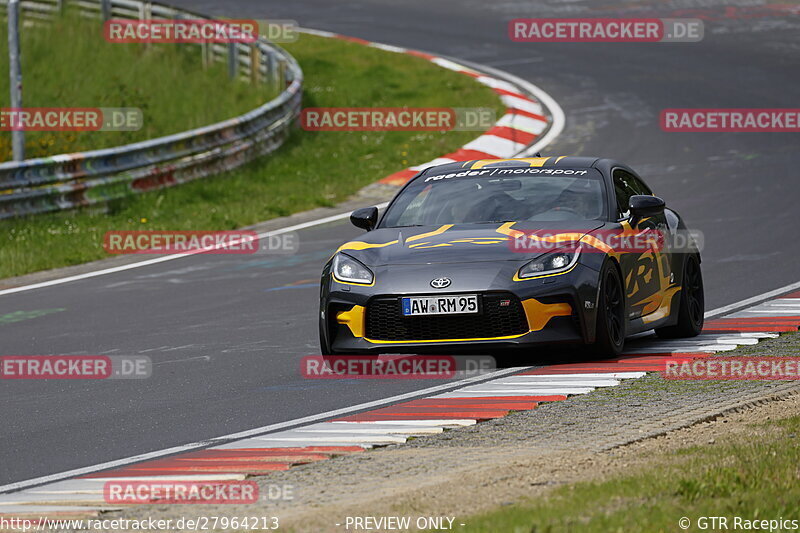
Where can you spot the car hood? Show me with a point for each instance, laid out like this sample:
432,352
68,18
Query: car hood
462,243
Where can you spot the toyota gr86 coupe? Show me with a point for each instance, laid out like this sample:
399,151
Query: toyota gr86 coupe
496,254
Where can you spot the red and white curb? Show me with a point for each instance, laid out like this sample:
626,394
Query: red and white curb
516,133
521,389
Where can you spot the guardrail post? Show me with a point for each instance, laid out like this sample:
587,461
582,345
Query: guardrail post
60,6
205,52
105,9
281,74
15,76
270,61
146,13
255,64
233,60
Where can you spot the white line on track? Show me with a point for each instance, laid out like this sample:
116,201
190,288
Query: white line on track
304,439
573,377
94,274
546,383
752,301
447,422
355,427
260,444
490,390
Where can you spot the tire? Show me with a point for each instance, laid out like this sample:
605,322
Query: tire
691,306
612,320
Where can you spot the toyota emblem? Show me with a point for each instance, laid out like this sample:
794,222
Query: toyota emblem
440,283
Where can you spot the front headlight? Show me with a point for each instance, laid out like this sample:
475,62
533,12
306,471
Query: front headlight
551,263
345,268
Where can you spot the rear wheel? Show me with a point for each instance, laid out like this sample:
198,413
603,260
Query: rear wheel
692,304
611,319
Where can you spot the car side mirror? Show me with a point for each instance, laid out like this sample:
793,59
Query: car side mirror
643,206
365,218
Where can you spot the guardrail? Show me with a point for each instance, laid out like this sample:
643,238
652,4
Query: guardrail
74,180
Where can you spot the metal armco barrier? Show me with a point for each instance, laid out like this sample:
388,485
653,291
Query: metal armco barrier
73,180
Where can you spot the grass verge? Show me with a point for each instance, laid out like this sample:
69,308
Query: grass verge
70,64
750,479
744,476
310,170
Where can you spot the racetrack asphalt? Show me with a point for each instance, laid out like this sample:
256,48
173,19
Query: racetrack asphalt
226,333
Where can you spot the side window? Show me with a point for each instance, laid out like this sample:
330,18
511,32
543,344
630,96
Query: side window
414,209
625,186
624,189
638,185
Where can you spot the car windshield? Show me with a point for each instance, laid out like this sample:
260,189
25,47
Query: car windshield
464,197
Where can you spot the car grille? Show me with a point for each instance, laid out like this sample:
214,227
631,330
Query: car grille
385,321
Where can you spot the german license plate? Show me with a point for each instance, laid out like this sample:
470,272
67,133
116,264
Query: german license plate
461,304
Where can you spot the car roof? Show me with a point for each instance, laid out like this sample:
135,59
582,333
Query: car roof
552,161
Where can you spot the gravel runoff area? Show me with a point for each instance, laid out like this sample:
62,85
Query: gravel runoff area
468,470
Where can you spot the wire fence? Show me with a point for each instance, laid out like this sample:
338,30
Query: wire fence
89,178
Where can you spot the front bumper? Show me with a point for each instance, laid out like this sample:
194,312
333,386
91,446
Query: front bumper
557,309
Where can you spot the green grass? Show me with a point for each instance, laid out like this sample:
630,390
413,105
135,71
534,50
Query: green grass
312,169
70,64
750,477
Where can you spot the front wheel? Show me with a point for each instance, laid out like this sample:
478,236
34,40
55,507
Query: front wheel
611,318
691,308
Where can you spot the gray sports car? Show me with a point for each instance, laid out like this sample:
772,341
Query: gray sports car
493,254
